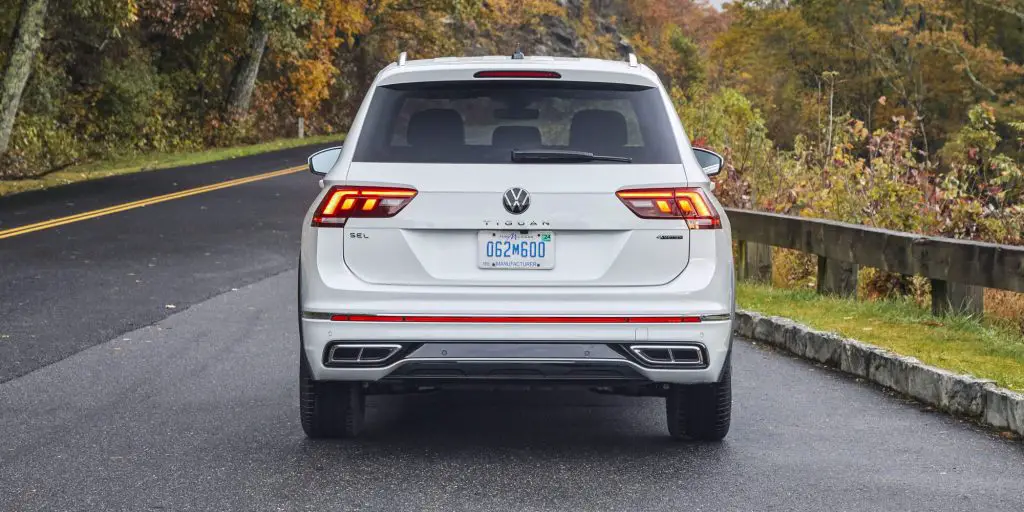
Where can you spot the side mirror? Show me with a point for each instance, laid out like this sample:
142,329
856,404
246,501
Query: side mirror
711,162
322,161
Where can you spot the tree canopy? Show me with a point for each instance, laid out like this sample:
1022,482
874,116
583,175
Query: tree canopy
819,104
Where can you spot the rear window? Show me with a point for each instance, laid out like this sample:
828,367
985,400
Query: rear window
483,121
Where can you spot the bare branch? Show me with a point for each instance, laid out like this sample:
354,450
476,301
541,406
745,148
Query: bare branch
1003,7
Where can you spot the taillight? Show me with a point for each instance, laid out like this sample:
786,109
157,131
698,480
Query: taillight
690,204
520,319
343,202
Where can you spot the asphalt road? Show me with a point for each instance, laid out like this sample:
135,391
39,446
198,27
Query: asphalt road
114,402
68,288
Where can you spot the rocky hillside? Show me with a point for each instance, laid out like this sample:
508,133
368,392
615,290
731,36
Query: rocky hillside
581,28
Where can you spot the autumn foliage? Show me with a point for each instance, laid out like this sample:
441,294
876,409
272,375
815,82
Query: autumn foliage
901,115
904,115
131,76
898,114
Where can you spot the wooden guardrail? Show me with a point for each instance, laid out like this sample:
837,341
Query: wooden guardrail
959,270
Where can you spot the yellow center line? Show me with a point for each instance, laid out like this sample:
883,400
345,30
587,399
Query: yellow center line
52,223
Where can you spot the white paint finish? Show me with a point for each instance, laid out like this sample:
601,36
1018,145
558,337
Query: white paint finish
434,239
424,261
449,257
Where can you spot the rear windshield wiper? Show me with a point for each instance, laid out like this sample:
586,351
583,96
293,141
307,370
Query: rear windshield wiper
562,156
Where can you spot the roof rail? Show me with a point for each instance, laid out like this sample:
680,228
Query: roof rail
402,57
632,60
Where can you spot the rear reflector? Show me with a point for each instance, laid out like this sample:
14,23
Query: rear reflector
342,203
690,204
521,319
516,74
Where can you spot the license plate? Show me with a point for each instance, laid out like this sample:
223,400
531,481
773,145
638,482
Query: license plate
516,250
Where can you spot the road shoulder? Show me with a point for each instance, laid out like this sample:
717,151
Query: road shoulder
960,395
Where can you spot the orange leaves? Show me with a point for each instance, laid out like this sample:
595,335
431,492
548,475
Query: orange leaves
943,34
698,21
332,24
673,36
335,21
520,12
311,81
344,17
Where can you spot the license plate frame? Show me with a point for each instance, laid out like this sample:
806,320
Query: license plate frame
505,253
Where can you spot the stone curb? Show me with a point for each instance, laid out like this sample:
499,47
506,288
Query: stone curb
961,395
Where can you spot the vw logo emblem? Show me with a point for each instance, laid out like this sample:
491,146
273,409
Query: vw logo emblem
516,200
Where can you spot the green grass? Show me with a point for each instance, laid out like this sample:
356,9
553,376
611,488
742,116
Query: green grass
961,344
152,161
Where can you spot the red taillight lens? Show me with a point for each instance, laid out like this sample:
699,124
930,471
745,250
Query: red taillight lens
690,204
516,74
343,203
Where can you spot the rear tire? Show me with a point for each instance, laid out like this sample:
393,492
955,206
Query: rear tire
701,412
329,410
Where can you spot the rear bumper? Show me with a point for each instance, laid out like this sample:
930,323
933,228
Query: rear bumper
704,288
557,353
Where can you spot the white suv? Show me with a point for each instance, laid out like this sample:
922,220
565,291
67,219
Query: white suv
519,222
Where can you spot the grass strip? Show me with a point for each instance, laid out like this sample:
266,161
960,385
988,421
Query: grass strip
153,161
977,347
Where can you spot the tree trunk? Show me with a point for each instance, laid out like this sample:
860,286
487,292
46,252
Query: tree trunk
28,34
244,81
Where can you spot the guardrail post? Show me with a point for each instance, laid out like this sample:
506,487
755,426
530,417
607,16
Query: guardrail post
956,298
837,277
755,262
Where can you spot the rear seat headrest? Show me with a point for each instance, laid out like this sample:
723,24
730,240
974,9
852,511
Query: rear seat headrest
436,126
594,130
